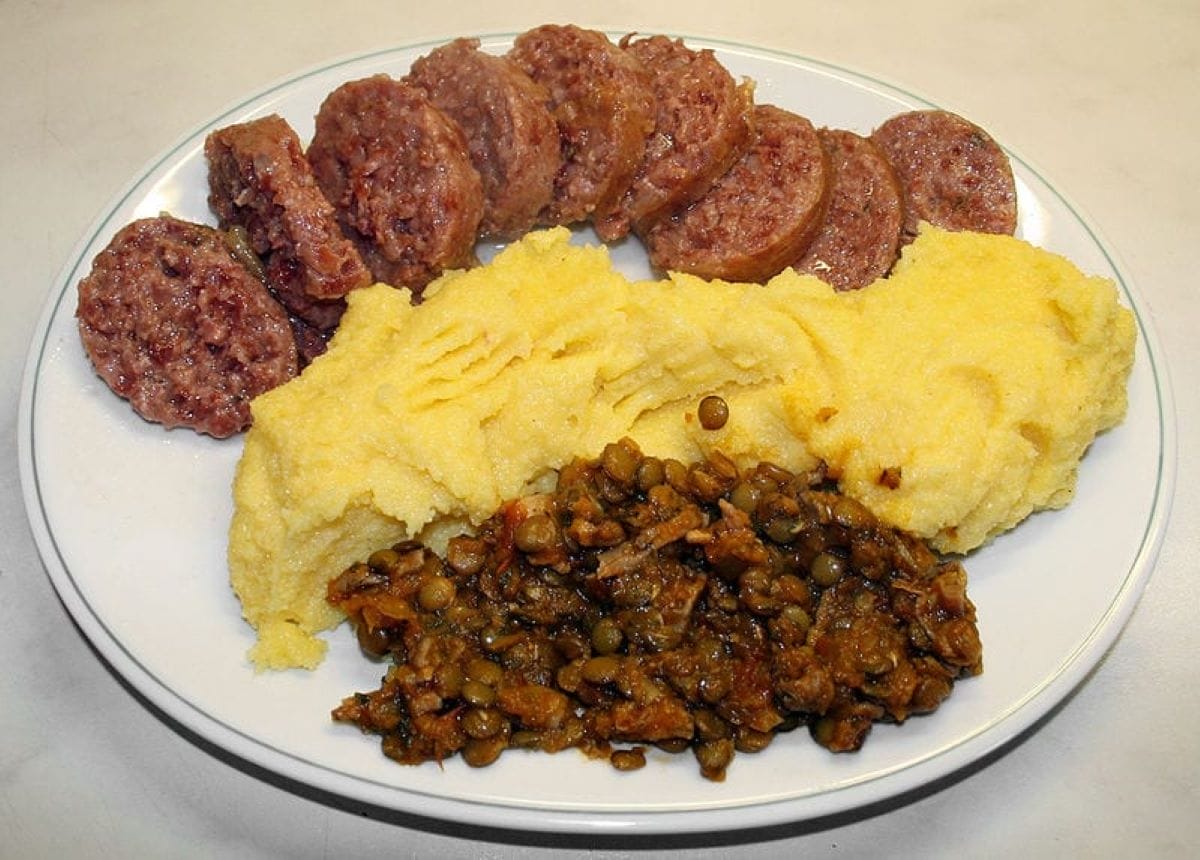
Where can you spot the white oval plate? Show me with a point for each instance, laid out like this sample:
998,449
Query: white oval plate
131,522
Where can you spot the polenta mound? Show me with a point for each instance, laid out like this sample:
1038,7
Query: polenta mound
952,399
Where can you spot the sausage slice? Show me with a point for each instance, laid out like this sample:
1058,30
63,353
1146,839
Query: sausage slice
313,321
703,124
511,135
259,179
603,102
175,325
398,173
952,173
760,216
860,237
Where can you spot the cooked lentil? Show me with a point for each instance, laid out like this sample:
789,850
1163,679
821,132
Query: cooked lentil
713,412
709,609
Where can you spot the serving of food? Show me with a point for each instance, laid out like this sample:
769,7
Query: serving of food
730,475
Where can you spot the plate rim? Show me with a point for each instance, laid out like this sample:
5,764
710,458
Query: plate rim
1072,670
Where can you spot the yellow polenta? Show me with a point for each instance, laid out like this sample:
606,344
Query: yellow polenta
978,373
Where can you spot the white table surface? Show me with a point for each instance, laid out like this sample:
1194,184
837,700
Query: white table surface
1103,97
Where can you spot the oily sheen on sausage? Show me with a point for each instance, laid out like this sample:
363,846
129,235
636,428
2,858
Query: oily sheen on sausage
259,179
951,171
760,216
860,237
511,135
398,173
313,321
175,325
603,102
703,124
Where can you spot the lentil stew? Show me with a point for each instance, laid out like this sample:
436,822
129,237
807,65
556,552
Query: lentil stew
648,603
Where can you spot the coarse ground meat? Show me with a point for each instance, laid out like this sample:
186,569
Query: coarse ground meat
860,237
174,324
398,172
313,320
259,179
511,134
603,101
310,342
952,173
703,125
760,216
647,602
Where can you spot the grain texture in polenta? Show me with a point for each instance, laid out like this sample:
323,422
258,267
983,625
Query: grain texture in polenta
953,399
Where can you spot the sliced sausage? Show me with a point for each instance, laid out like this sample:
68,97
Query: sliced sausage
603,102
860,237
703,124
259,179
313,321
760,216
952,173
511,135
310,342
398,173
285,280
175,325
